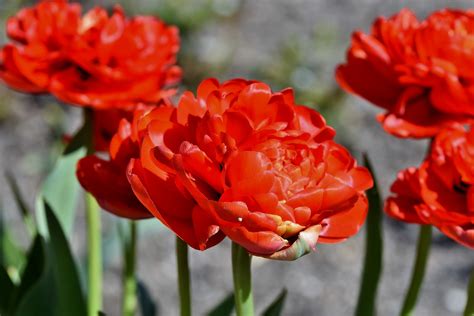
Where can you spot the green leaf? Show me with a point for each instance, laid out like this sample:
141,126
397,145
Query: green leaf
41,298
21,204
6,288
70,296
61,191
372,268
147,305
276,307
12,257
224,308
35,266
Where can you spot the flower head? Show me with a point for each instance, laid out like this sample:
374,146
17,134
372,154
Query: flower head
440,192
39,35
260,168
97,60
420,72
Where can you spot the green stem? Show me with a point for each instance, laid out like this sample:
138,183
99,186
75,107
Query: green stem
242,273
94,238
129,281
469,310
422,253
94,257
184,282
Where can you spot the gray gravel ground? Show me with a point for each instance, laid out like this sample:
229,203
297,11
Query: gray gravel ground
325,283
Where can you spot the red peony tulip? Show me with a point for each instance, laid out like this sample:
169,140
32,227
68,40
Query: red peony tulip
39,35
440,192
95,60
420,72
106,180
119,61
262,169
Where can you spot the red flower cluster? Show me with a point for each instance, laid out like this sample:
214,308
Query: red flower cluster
420,72
441,191
93,60
243,161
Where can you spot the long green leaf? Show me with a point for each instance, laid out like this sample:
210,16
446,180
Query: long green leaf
36,294
372,269
276,307
21,204
34,268
71,300
147,306
12,257
6,288
224,308
61,191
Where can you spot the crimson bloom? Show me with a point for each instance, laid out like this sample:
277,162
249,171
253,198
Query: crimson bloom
441,191
420,72
106,180
36,53
94,60
243,159
119,61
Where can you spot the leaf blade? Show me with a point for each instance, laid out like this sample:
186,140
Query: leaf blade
276,307
372,268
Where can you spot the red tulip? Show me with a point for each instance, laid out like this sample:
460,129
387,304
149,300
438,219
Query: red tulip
36,53
440,192
93,60
119,61
420,72
106,180
249,161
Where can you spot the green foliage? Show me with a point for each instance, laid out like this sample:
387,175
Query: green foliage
276,307
49,282
147,306
372,270
6,288
61,191
64,268
21,204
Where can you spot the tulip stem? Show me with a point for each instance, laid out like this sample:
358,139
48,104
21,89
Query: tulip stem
129,281
94,238
184,282
422,253
242,273
469,310
95,256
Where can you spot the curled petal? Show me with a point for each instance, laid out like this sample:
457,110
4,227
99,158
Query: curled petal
306,243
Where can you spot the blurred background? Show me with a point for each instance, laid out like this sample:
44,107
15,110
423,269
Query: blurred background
284,43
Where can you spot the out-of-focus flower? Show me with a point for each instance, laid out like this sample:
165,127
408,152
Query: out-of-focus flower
119,61
441,191
420,72
105,125
95,60
36,53
106,180
262,169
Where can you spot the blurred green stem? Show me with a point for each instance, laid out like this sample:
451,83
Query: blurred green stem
184,282
94,257
469,310
94,238
422,253
129,281
242,273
